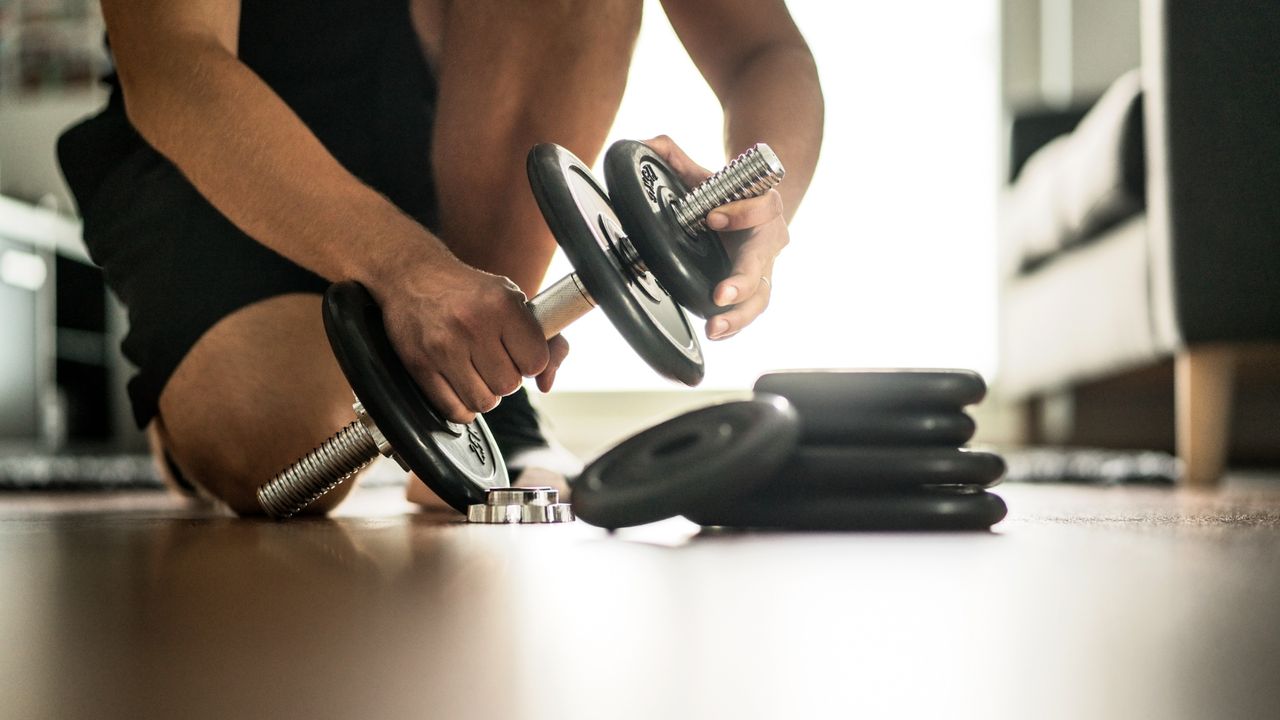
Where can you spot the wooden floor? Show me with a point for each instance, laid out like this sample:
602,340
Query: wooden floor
1085,603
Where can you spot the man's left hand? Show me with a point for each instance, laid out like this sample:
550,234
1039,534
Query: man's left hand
754,232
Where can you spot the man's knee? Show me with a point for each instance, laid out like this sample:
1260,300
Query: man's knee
257,392
224,467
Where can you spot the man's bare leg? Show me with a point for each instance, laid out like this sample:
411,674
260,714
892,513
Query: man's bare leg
255,393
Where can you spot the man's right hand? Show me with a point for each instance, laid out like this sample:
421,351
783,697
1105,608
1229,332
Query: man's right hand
466,336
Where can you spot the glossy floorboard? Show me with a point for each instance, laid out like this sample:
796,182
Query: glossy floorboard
1085,603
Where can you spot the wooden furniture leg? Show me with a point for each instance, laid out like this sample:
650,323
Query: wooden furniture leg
1203,378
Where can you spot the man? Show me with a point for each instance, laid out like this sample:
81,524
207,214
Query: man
255,150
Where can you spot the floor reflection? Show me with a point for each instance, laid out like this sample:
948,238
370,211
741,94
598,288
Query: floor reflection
1145,602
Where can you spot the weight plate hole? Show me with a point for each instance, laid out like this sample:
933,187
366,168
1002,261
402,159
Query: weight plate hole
677,445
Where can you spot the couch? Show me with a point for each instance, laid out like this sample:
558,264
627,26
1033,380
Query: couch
1148,231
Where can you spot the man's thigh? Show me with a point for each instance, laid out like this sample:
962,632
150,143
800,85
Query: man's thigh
257,391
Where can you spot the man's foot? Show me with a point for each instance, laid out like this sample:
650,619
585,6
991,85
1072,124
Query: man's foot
533,459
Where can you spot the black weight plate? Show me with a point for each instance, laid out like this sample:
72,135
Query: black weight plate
838,468
459,462
719,451
933,510
877,426
823,396
643,187
582,220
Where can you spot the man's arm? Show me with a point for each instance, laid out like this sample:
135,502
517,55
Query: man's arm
759,66
512,74
244,149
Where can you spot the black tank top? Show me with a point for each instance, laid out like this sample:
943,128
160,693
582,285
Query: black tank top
352,71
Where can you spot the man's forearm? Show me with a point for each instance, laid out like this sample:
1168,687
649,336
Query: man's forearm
255,160
775,98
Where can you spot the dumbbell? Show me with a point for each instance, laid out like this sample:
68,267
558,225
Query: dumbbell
666,220
612,261
846,450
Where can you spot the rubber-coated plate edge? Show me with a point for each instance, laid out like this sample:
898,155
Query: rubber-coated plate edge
936,510
830,390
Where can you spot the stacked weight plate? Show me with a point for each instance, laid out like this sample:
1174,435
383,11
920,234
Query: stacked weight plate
813,450
878,449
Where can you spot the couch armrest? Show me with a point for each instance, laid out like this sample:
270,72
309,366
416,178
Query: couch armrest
1213,194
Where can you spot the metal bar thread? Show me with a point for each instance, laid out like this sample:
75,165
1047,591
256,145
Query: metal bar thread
750,174
318,472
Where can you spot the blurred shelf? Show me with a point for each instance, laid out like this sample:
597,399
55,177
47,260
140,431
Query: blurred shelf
41,228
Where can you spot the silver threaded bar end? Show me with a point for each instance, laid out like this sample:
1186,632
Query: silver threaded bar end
318,472
750,174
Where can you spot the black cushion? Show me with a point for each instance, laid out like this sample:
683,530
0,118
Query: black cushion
1081,184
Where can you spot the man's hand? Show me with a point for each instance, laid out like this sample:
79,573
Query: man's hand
466,336
754,232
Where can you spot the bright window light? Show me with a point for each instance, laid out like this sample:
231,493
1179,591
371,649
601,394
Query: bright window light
892,257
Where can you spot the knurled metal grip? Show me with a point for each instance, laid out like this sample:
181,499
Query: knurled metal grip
560,304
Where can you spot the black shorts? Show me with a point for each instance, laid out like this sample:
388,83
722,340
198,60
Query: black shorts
177,264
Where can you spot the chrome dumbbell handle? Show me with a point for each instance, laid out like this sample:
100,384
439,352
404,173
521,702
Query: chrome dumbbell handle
560,304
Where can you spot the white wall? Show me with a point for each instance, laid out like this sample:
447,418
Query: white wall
1059,51
29,129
